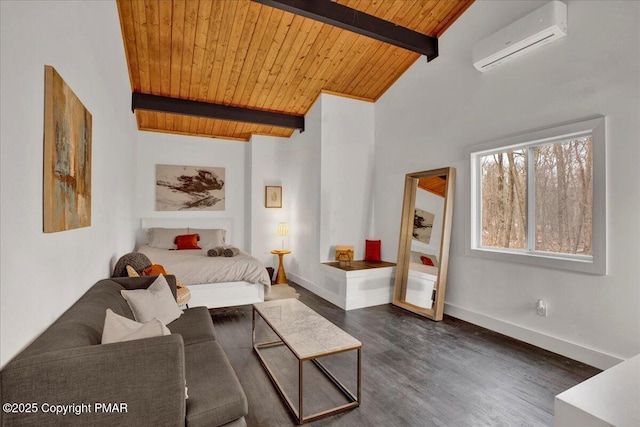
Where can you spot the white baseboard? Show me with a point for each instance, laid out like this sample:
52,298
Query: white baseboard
573,351
368,301
321,292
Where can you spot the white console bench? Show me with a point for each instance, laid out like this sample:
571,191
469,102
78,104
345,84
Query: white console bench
360,284
611,398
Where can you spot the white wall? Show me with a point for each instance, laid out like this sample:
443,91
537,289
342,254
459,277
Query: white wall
326,173
331,171
43,274
436,110
301,198
166,149
294,164
347,175
269,160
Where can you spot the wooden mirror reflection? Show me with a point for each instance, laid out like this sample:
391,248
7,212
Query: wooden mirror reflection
423,250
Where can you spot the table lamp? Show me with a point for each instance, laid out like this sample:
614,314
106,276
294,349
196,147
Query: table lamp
282,231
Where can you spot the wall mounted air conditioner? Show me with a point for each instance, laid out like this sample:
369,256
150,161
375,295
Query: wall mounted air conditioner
538,28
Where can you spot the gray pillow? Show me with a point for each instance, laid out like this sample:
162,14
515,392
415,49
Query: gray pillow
163,238
209,237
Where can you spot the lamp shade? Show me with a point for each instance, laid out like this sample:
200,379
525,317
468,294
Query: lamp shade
283,229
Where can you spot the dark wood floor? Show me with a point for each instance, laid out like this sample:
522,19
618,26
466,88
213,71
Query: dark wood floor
415,372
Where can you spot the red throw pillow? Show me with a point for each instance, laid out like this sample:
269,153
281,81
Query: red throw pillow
426,260
372,250
187,241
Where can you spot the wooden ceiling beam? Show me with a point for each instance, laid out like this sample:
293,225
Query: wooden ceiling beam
349,19
164,104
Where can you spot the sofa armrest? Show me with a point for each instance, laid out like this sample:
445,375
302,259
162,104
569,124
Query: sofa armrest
140,382
143,282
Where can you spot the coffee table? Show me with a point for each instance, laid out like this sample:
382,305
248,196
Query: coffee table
309,337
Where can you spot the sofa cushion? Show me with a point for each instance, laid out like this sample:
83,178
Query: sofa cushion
194,325
240,422
215,394
146,375
155,301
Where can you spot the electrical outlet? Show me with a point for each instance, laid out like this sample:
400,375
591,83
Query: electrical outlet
541,308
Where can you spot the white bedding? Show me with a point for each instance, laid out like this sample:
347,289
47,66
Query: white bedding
426,269
194,267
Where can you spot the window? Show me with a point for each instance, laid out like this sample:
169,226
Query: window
538,198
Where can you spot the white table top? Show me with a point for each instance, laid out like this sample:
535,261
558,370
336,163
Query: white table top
611,398
304,331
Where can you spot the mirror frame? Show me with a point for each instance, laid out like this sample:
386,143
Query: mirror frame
404,246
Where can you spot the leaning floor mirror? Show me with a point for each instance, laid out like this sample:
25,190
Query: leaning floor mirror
423,250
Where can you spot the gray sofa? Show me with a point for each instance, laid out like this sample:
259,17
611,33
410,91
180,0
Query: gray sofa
133,383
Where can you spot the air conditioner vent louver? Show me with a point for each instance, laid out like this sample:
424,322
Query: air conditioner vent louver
538,28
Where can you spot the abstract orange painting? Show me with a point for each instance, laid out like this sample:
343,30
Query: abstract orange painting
67,157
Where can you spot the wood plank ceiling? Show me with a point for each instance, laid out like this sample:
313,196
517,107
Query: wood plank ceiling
434,184
244,54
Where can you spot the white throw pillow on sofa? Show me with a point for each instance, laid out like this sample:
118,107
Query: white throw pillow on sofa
118,328
155,301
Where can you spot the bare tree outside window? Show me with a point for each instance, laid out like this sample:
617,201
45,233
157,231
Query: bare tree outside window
562,197
504,199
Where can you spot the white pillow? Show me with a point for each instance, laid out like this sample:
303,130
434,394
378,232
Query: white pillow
118,328
162,238
209,237
155,301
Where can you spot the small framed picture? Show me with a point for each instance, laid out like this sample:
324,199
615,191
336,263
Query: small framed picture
344,253
272,196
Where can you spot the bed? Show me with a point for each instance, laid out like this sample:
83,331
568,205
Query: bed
213,281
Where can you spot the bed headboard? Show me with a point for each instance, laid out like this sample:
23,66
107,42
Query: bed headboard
223,223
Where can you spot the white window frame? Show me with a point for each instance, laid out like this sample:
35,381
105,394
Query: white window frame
594,264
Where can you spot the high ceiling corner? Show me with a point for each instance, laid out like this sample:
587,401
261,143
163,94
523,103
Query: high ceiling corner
247,58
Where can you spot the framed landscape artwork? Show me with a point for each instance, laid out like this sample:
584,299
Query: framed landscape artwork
273,196
190,188
67,157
